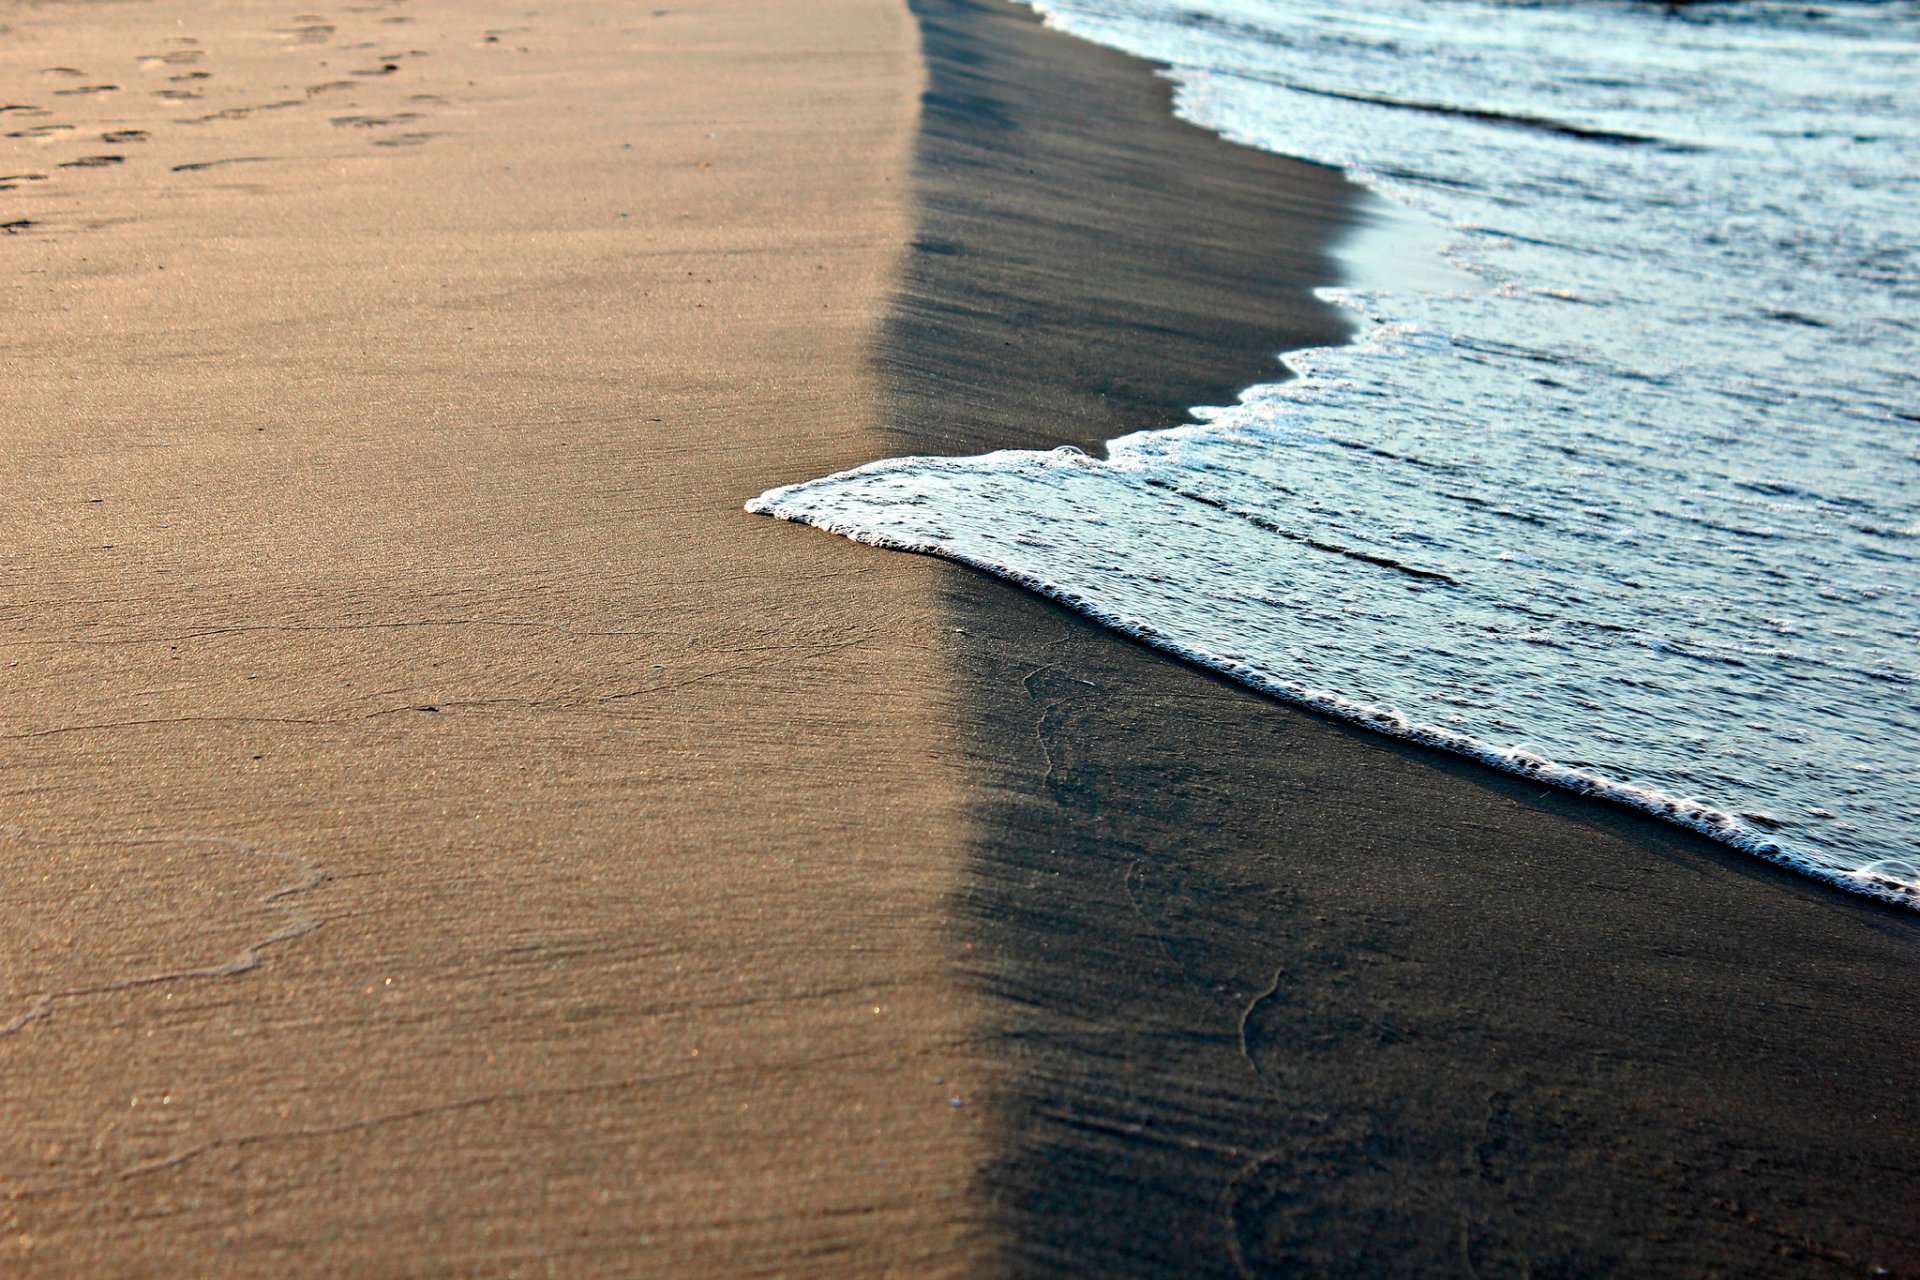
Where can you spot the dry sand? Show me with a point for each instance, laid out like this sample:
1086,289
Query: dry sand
375,433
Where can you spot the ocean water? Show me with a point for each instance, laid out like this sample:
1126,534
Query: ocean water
1633,507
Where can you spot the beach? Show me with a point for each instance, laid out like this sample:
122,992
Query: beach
1290,998
442,833
375,520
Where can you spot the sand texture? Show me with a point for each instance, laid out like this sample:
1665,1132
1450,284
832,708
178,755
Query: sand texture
442,834
1284,998
375,435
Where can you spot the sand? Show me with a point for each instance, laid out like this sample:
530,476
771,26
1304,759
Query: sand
445,835
1285,998
373,537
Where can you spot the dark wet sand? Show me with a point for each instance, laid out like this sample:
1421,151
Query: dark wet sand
1280,997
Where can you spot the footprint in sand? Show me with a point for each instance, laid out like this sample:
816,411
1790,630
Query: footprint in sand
231,113
172,58
182,65
313,29
373,122
241,113
74,73
198,165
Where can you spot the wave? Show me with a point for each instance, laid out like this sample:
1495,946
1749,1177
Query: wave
801,503
1614,502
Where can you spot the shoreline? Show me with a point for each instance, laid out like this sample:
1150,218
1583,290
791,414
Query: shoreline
1031,317
1284,994
1219,363
443,834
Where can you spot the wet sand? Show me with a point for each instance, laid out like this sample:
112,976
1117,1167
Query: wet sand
1284,998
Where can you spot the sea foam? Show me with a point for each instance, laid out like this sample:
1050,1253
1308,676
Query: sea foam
1636,513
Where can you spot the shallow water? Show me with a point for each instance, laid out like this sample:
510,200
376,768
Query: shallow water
1637,509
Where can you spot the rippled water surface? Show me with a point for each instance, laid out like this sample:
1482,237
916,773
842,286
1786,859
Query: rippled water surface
1637,511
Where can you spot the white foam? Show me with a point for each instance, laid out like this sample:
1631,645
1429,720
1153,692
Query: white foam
1634,515
829,504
